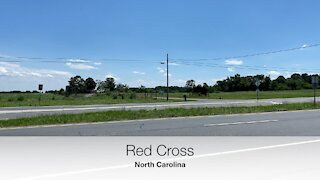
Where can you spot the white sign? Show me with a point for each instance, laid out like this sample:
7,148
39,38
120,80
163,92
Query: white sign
257,83
315,80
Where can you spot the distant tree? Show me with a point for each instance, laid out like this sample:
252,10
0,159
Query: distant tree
90,84
198,89
281,79
122,88
110,83
205,89
77,84
61,91
107,85
190,85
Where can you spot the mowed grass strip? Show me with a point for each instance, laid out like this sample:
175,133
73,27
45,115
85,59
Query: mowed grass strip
48,99
250,94
147,114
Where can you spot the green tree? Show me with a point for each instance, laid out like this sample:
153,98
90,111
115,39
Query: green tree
77,84
90,84
190,85
110,83
122,88
205,89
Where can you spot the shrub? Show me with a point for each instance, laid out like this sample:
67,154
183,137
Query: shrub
132,96
20,98
115,96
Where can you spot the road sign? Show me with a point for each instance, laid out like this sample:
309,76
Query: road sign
257,83
315,81
40,88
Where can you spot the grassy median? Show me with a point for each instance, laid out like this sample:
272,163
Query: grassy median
250,94
49,99
146,114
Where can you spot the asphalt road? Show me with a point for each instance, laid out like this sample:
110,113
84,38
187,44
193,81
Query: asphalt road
16,112
292,123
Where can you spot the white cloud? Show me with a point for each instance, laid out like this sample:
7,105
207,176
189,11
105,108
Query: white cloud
97,63
80,66
3,70
178,82
235,62
174,64
274,74
215,80
138,72
15,70
78,61
231,69
304,46
115,77
162,71
287,74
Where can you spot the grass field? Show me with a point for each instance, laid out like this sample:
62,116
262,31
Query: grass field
250,94
144,114
47,99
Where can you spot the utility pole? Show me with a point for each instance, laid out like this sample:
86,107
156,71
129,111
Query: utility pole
167,77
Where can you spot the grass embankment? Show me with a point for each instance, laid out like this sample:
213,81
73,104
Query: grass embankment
48,99
145,114
250,94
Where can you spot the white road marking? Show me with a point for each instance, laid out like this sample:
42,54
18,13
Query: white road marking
240,122
274,102
116,107
161,119
172,159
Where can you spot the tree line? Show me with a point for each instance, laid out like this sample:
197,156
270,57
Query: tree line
296,81
247,83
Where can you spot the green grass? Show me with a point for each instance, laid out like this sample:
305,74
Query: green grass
144,114
250,94
48,99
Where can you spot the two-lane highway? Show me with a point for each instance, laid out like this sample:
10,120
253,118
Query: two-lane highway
292,123
16,112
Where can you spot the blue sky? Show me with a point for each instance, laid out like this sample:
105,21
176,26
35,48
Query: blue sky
96,38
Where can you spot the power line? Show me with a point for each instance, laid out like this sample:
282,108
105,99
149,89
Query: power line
189,62
246,67
44,59
251,55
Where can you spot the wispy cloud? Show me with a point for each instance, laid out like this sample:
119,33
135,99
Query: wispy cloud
231,69
81,64
173,64
78,61
138,72
115,77
235,62
163,71
16,70
274,74
97,63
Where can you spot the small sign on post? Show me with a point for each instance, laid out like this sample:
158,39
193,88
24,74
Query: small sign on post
40,88
315,82
257,83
